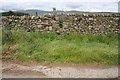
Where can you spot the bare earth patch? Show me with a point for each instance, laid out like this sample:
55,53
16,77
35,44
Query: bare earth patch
18,69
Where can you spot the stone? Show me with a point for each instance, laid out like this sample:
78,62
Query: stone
50,28
39,26
10,20
90,18
111,21
32,17
23,17
16,20
75,19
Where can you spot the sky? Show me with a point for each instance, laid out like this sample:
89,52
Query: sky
66,5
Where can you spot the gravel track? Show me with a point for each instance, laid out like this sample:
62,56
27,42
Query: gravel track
11,70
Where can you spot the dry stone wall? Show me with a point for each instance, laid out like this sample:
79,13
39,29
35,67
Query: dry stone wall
78,23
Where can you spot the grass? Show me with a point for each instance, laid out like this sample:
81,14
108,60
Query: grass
69,48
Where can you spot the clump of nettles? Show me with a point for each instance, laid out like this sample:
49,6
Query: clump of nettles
7,36
60,21
36,14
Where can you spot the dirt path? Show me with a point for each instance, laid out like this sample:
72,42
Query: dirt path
57,70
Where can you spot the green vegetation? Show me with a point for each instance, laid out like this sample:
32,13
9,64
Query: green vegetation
10,13
70,48
36,13
60,21
54,11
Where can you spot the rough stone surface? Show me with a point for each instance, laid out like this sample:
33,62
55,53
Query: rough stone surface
80,23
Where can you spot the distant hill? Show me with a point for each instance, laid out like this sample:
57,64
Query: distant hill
10,13
41,12
33,12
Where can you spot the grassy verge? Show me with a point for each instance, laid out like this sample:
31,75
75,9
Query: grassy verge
76,48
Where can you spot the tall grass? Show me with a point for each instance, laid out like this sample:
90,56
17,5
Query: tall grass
70,48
